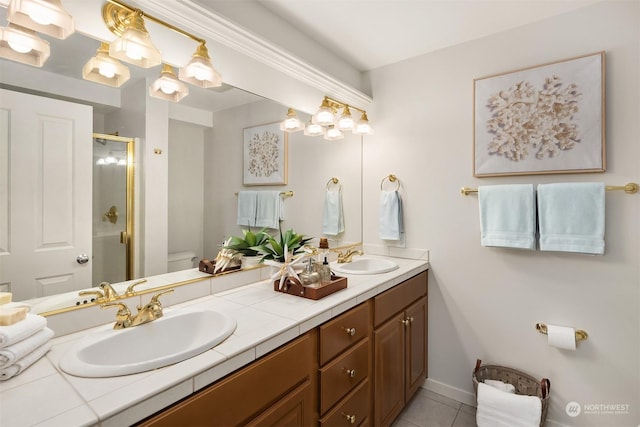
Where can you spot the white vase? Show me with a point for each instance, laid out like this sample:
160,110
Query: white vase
249,262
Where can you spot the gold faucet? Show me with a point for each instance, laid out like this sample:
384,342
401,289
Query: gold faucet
99,295
110,294
347,255
150,312
130,292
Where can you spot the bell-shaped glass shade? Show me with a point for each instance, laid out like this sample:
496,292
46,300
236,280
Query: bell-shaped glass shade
104,69
346,122
362,126
168,87
135,46
314,129
44,16
333,134
23,45
292,123
199,71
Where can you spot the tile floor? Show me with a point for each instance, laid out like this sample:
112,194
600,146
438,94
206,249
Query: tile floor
429,409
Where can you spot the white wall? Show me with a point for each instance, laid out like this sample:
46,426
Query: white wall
186,187
484,302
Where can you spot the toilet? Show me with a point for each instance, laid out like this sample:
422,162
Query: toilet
181,261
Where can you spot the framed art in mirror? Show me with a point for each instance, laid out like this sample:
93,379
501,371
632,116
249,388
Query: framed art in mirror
545,119
265,155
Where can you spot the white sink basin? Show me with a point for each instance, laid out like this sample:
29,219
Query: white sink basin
178,335
364,265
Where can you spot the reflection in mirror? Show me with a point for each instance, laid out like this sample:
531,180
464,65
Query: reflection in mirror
203,172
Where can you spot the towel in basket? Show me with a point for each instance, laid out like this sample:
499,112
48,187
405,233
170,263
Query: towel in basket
524,383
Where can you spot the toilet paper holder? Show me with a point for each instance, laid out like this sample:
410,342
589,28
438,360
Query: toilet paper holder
580,334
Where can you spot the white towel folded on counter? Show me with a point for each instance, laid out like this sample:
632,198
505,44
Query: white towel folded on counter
497,408
14,352
20,365
18,331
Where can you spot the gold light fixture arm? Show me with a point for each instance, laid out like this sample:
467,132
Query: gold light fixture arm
116,15
335,104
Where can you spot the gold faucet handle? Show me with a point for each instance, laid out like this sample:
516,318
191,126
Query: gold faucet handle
130,292
110,294
123,316
154,299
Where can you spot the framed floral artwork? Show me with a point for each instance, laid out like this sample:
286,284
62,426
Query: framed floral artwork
265,155
546,119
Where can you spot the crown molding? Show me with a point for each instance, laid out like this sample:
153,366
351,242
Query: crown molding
212,26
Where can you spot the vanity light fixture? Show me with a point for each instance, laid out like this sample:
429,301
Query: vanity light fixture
325,116
104,69
362,126
313,129
23,45
292,123
44,16
345,122
121,18
333,133
167,86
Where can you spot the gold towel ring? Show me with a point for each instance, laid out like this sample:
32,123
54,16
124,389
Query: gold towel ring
334,181
391,178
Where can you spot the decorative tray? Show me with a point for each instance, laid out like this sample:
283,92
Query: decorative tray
292,286
207,266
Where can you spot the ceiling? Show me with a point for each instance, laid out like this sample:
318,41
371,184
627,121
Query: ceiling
369,34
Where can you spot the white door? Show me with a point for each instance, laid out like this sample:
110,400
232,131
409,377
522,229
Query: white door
45,195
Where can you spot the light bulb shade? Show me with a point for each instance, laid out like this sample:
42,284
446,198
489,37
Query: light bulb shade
44,16
134,45
199,71
324,117
346,122
168,87
333,134
104,69
23,45
292,123
313,129
363,127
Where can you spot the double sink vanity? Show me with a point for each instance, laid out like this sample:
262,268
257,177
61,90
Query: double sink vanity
354,357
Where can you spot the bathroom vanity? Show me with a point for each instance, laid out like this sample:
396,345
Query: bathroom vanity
355,358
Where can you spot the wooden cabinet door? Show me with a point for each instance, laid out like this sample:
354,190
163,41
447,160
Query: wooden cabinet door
389,372
294,410
416,346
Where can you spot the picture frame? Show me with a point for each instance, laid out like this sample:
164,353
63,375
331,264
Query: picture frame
546,119
265,155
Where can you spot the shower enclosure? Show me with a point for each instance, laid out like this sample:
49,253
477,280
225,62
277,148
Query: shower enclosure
112,208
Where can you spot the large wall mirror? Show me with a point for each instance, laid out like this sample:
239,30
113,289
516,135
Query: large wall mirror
203,164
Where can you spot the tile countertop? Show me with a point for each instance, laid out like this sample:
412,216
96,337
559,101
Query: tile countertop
44,395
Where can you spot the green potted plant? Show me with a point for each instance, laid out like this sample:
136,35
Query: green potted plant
282,254
248,246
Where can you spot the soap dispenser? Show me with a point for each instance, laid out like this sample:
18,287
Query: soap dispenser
309,277
325,272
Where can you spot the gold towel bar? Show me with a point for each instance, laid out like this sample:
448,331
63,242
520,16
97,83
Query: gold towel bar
630,188
282,193
580,334
392,178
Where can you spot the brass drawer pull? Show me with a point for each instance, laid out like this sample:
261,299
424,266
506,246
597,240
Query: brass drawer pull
350,418
405,322
350,331
350,372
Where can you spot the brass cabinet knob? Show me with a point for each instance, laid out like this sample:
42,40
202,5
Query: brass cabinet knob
405,322
350,331
350,372
350,418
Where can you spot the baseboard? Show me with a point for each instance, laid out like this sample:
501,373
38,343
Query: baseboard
451,392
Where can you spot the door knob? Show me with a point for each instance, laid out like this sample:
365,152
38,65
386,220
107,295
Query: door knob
82,259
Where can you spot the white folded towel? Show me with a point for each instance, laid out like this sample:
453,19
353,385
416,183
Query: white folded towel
21,364
247,202
10,354
391,224
571,217
507,216
500,385
269,209
333,215
18,331
499,409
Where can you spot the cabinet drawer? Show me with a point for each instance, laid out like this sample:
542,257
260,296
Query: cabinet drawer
343,374
353,410
343,331
396,299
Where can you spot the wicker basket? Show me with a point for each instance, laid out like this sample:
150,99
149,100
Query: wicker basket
525,384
